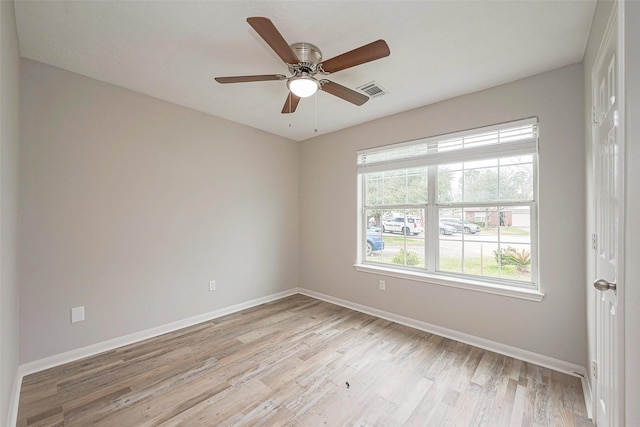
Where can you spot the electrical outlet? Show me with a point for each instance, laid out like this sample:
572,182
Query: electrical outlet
212,285
382,285
77,314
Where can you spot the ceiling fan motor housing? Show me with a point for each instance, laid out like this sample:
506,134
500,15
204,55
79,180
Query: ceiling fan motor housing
309,56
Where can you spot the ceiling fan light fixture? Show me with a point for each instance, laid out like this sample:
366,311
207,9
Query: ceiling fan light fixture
303,86
304,62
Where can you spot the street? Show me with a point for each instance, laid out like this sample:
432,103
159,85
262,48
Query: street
451,245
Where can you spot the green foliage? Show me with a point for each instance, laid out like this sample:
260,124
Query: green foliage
412,258
480,185
512,180
445,189
487,267
521,258
396,187
505,231
516,181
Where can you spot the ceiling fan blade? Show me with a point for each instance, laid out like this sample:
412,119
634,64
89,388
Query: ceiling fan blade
344,92
369,52
265,29
245,79
290,104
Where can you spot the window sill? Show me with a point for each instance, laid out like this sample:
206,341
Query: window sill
472,285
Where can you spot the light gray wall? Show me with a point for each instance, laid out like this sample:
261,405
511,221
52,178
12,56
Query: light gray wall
9,137
598,26
632,242
129,206
554,327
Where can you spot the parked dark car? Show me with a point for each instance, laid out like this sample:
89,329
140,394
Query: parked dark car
374,240
461,226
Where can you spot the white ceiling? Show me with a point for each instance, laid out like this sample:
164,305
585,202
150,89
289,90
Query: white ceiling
172,50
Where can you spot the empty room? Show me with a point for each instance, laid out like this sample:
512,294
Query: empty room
319,213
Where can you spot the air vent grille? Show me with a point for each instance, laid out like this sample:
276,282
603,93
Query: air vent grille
373,89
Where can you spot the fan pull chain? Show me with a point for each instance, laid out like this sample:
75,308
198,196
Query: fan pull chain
289,109
316,114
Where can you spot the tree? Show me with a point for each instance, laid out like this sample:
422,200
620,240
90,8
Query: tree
397,187
516,182
504,183
445,185
480,185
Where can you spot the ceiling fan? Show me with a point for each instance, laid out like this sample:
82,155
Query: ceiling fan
304,61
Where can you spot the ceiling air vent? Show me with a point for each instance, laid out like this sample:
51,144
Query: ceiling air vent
373,89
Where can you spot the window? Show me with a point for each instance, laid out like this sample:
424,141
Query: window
459,207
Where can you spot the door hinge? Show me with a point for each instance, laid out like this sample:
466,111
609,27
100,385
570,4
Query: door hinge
594,115
594,368
594,241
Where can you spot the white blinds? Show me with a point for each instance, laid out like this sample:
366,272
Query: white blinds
506,139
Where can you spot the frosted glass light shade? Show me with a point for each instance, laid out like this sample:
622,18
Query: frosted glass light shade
303,86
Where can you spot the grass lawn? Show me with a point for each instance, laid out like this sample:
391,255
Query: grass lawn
399,240
488,268
505,231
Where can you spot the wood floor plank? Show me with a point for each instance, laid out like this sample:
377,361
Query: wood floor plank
300,361
519,403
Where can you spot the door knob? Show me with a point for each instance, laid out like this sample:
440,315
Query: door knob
603,285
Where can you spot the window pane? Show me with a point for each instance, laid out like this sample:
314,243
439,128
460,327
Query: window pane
399,187
450,255
450,183
480,184
487,241
374,246
417,186
490,180
479,259
515,242
396,236
395,188
450,245
374,188
515,261
516,182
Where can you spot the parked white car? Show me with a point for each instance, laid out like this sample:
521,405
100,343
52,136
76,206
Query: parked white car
406,225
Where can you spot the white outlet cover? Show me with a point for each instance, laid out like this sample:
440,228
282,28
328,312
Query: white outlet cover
77,314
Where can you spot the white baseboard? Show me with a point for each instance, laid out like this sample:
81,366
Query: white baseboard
506,350
496,347
588,396
14,399
91,350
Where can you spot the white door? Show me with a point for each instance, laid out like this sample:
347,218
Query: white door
608,198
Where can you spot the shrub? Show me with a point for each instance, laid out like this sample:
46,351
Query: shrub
521,258
412,258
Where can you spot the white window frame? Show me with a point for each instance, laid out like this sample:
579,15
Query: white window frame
429,152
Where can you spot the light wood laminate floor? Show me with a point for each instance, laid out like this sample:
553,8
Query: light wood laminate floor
300,361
